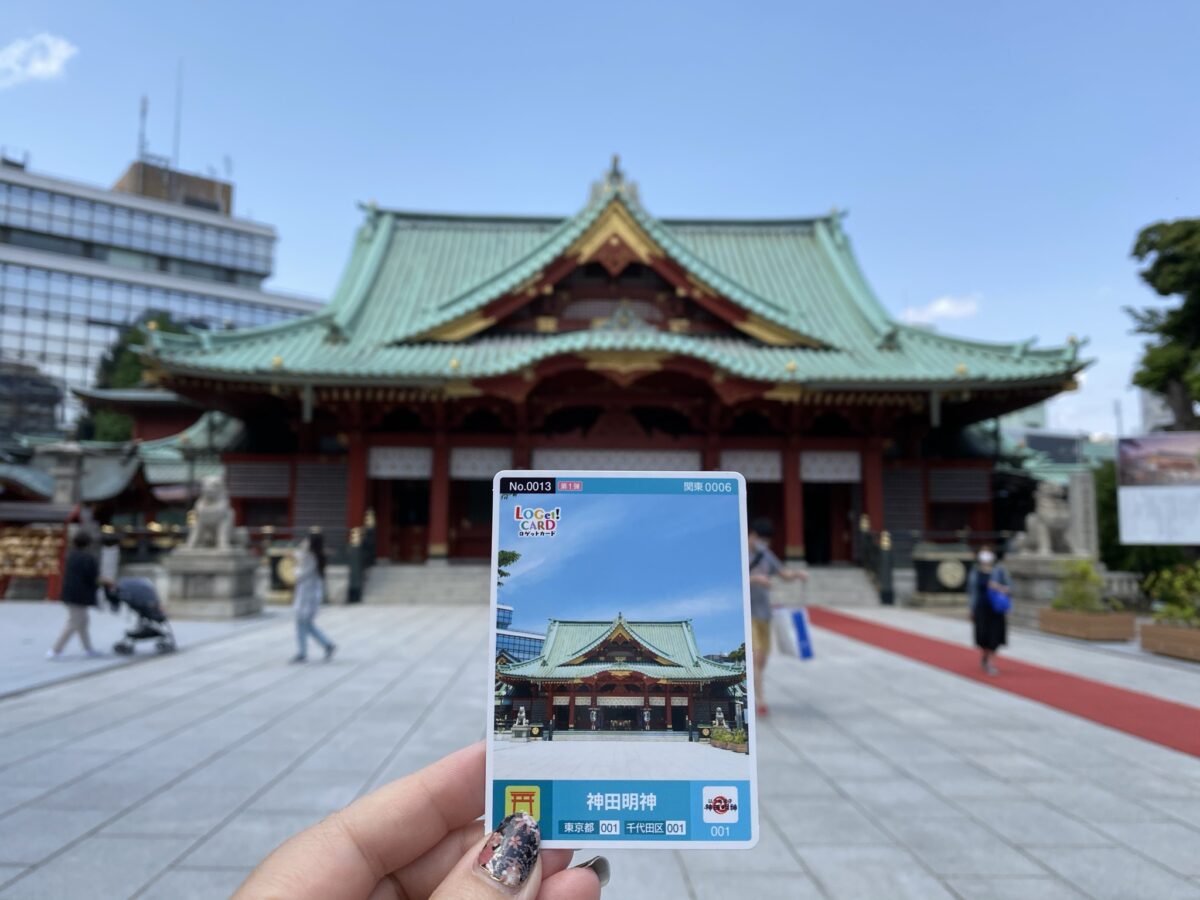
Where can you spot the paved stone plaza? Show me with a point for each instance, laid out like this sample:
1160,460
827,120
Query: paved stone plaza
881,777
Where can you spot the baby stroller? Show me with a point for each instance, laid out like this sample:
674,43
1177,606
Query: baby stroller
152,624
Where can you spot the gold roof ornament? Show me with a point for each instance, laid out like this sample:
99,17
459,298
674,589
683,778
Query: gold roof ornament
960,369
276,362
454,362
790,365
152,325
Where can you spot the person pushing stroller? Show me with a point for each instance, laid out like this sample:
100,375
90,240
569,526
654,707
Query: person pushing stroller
140,595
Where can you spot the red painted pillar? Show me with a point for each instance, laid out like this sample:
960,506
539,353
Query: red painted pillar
793,504
873,482
571,712
356,478
439,497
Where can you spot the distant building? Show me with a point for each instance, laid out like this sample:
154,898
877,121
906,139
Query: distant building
78,263
515,646
28,401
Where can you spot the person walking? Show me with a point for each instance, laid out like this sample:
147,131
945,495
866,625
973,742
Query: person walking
79,585
991,625
309,594
763,566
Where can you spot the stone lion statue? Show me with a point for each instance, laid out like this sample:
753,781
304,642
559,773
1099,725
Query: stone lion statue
212,528
1046,527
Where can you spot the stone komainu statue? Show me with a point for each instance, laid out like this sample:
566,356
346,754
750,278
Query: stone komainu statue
1046,527
212,528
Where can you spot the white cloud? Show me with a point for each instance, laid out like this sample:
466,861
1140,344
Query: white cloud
39,58
942,308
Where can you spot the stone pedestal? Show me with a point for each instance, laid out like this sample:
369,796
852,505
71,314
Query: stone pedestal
520,733
211,584
1036,581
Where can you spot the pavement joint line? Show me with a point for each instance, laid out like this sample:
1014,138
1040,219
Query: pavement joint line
820,885
111,671
174,781
435,646
371,782
133,660
148,711
951,678
864,811
684,875
1019,788
883,826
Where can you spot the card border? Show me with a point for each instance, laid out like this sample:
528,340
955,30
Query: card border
751,707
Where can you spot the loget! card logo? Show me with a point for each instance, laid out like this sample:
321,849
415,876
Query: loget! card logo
537,521
720,804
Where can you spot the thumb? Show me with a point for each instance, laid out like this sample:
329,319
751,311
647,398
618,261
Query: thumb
507,865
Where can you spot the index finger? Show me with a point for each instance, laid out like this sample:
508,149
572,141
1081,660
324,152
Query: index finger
347,853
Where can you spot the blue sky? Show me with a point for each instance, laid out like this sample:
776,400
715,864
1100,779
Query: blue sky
648,556
996,160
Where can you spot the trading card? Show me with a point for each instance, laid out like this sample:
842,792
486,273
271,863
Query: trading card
620,713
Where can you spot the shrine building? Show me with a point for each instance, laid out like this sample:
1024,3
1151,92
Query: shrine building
459,345
605,676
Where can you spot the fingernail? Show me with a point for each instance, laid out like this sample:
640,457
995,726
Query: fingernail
511,851
600,866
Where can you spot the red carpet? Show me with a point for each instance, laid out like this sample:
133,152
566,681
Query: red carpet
1173,725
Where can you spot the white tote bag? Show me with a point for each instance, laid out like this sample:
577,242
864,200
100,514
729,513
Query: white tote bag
789,627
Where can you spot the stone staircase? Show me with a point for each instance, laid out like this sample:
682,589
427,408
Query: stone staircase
457,583
433,583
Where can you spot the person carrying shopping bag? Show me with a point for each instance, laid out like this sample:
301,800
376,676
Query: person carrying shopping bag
309,594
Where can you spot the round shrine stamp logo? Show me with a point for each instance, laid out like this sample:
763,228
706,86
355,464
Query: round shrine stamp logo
720,804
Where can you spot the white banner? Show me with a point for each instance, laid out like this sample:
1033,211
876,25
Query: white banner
619,701
478,463
399,462
755,465
838,466
679,701
553,459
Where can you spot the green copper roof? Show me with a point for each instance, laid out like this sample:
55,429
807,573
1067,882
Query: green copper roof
673,641
409,273
109,467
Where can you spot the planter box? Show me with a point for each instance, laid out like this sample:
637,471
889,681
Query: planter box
729,745
1087,626
1172,640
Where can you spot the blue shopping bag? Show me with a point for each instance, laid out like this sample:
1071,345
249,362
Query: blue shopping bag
791,632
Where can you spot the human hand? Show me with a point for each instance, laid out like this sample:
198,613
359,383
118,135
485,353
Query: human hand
761,580
420,837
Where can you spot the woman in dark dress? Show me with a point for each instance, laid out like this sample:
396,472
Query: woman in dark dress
991,627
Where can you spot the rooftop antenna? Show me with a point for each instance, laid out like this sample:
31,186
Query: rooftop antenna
178,114
143,112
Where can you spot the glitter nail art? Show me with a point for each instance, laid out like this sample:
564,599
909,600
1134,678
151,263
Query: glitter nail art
510,852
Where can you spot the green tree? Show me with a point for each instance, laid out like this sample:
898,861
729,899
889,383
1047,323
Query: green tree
123,367
1170,364
504,559
739,655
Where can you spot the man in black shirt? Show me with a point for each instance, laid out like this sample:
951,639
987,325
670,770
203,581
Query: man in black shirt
78,593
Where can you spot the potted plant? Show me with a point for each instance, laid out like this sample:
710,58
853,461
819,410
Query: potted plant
1081,611
1176,627
726,739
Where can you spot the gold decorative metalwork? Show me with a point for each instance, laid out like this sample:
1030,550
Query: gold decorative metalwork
459,329
624,362
546,324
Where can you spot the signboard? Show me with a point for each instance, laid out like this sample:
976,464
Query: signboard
1158,488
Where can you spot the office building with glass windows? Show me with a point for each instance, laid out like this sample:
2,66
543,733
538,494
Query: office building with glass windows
79,263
